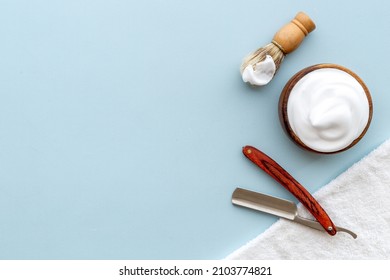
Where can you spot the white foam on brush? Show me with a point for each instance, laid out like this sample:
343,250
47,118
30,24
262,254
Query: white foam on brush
262,73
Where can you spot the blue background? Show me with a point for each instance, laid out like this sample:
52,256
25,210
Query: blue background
122,122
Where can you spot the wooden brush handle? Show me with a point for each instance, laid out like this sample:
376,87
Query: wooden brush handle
290,36
286,180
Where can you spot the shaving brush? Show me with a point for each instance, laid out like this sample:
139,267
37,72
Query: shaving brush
259,67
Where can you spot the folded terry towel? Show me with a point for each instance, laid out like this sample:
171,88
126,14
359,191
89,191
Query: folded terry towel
358,199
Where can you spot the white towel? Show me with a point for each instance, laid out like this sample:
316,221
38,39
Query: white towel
358,199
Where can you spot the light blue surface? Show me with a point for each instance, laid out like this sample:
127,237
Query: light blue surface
122,122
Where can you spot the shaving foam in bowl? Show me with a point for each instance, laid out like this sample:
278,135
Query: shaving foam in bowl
325,108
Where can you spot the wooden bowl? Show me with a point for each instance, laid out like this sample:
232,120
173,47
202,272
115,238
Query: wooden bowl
284,98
